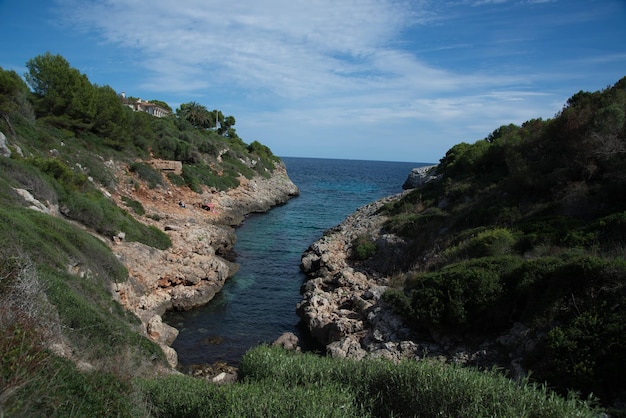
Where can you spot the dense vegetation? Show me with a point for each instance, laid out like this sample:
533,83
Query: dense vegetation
306,385
528,225
69,349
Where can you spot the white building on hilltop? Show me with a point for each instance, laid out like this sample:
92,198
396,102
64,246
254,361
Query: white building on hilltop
139,105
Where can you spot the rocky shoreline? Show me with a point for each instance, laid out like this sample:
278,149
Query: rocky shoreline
196,266
342,305
343,308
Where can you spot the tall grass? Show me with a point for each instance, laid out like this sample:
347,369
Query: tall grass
275,382
42,306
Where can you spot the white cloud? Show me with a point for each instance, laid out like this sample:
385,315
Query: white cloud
290,47
325,66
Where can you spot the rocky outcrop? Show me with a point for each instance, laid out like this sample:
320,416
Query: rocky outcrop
199,262
258,194
420,176
343,308
342,302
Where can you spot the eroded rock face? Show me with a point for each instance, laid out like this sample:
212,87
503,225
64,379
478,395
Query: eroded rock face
198,263
288,341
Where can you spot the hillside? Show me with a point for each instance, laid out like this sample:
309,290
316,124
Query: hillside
510,254
110,215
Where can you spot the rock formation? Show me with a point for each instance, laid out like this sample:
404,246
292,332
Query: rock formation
342,304
420,176
198,263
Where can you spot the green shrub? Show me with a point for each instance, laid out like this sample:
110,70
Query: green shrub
59,390
587,352
182,396
22,174
612,230
234,165
44,301
147,173
96,169
410,223
96,324
149,235
89,211
491,242
363,247
473,295
176,180
61,172
136,206
198,174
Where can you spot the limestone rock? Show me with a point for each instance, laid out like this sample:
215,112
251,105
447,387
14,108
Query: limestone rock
201,258
343,308
160,332
288,341
420,176
170,355
34,203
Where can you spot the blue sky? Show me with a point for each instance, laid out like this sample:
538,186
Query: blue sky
394,80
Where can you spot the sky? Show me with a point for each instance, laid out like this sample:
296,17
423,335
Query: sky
387,80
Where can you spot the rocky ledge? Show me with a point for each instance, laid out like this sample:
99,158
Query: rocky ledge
343,308
200,260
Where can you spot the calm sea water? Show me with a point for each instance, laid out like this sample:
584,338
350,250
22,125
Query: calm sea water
258,303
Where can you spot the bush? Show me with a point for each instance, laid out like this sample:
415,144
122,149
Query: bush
176,180
182,396
363,247
60,172
198,174
22,174
136,206
59,390
149,174
408,223
473,295
491,242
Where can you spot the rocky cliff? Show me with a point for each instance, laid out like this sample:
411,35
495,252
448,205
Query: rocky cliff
195,268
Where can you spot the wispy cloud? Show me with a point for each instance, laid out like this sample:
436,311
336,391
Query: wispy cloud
329,64
292,48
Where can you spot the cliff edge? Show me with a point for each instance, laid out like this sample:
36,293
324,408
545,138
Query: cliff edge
200,260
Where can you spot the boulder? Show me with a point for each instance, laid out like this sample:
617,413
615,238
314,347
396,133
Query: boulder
34,203
160,332
420,176
288,341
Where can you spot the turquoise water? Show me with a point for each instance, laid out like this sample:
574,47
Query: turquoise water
258,303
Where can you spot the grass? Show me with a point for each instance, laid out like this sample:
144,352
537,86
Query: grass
306,385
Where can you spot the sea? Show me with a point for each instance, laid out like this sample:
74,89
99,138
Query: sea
258,303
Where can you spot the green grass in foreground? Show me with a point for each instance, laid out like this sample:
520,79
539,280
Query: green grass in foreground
280,383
